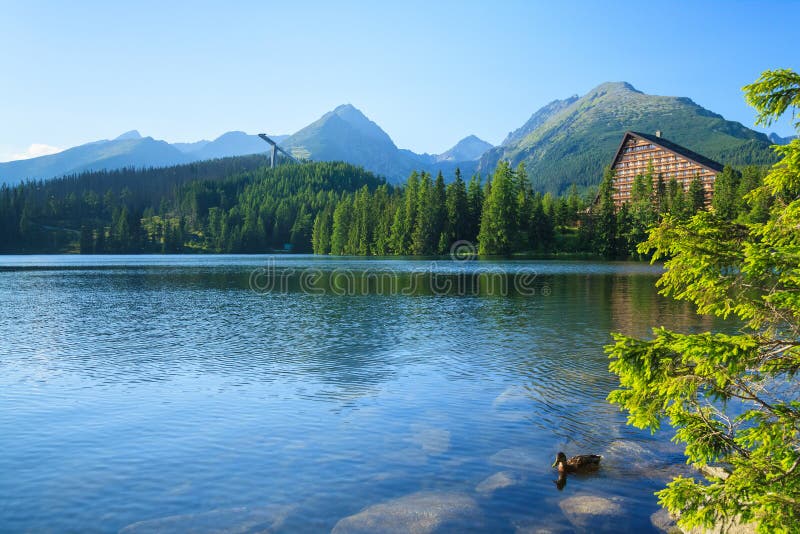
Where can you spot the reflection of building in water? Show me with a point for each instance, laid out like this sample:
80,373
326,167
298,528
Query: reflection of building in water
636,308
641,153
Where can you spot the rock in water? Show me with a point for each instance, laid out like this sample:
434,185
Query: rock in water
418,513
664,522
503,479
523,459
228,520
541,526
431,440
591,512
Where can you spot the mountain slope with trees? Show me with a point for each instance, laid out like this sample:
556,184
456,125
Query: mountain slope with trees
570,141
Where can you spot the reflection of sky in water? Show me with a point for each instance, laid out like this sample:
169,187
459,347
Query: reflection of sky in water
139,388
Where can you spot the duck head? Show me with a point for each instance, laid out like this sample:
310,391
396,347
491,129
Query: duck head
561,461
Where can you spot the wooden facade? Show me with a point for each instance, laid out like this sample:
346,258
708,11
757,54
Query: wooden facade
638,151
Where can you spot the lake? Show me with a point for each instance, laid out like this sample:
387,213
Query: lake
303,394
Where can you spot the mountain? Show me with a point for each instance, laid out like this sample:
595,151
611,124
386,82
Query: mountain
188,148
778,140
538,119
346,134
127,150
468,149
227,145
570,141
132,134
130,149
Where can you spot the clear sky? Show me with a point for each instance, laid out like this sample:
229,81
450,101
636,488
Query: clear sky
429,73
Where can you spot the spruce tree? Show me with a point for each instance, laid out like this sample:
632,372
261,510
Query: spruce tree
425,239
499,214
474,208
726,187
342,217
605,227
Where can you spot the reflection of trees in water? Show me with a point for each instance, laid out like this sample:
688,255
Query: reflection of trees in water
561,361
156,323
159,324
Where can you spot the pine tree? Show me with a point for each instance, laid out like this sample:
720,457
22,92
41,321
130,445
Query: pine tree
499,214
425,238
458,212
439,243
662,203
696,196
643,214
397,236
474,208
383,210
726,187
321,232
574,203
605,229
342,217
302,229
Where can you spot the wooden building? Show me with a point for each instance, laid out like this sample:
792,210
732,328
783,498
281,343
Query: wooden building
638,151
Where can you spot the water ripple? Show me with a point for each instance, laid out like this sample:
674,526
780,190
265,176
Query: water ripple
158,391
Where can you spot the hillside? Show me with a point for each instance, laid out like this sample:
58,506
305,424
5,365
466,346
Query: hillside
127,150
131,150
221,205
570,141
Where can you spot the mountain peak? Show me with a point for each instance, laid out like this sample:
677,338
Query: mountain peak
351,114
345,108
471,148
613,87
342,122
132,134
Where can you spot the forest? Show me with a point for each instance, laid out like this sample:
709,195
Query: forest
237,205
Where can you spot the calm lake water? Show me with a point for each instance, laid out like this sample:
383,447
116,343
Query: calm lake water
287,393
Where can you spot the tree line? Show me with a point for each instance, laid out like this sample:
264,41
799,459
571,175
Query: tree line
236,205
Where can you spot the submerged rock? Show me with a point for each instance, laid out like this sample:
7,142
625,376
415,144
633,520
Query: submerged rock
592,512
664,522
520,459
227,520
541,526
418,513
628,450
513,404
503,479
632,459
431,440
410,456
512,396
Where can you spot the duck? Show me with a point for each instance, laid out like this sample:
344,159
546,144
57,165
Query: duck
577,464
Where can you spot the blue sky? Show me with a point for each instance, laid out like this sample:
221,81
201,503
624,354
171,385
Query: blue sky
429,73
